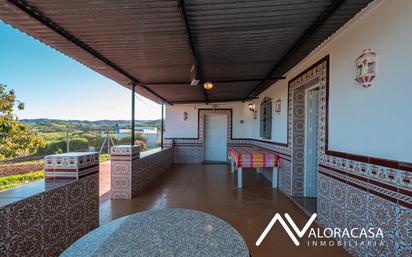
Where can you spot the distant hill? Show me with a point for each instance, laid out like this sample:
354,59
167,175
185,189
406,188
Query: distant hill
82,126
102,123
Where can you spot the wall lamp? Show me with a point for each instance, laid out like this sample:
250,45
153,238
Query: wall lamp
252,108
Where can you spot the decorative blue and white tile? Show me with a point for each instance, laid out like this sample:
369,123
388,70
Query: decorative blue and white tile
323,203
324,186
405,179
356,201
323,211
188,154
338,192
337,215
383,214
285,177
356,206
405,231
356,246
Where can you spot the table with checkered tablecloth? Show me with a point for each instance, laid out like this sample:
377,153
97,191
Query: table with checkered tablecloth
252,157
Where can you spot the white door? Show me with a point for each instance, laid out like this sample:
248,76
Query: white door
311,142
215,138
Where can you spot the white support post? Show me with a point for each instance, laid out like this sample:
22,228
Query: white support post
275,177
239,178
232,165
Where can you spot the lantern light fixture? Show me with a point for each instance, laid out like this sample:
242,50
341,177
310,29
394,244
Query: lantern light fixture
184,116
252,108
366,67
208,85
278,106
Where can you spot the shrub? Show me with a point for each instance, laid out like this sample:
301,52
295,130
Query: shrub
53,147
79,144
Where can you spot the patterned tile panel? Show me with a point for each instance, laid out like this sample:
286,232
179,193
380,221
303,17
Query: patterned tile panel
390,193
405,232
147,169
285,177
71,160
126,150
47,223
122,159
121,179
71,165
344,206
188,154
383,214
129,176
324,202
390,176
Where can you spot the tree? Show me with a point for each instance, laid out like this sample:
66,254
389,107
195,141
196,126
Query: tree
16,139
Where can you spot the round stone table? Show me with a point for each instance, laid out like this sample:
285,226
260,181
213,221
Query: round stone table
167,232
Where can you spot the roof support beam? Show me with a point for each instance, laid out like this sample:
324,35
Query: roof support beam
215,101
319,21
39,16
162,126
214,81
196,60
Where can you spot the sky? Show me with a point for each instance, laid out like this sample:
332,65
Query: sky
55,86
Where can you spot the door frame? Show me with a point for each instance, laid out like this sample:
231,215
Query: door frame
306,145
206,115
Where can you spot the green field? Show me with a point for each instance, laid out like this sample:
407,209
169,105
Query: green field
17,180
52,136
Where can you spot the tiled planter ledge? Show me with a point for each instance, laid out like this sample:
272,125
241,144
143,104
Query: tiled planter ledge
45,217
132,172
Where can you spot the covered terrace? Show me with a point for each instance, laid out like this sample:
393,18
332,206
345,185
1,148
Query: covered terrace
218,58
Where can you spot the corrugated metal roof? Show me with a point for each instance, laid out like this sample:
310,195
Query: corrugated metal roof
148,40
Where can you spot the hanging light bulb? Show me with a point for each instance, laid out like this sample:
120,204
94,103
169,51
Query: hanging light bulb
208,85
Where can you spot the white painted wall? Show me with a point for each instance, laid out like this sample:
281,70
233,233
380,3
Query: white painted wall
375,121
279,120
175,127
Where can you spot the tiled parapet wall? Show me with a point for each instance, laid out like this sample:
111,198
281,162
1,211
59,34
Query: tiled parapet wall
123,159
47,222
71,165
149,167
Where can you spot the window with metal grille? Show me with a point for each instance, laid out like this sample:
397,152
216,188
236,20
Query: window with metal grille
266,118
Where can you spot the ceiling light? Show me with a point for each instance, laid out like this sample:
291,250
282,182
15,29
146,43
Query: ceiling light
208,85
